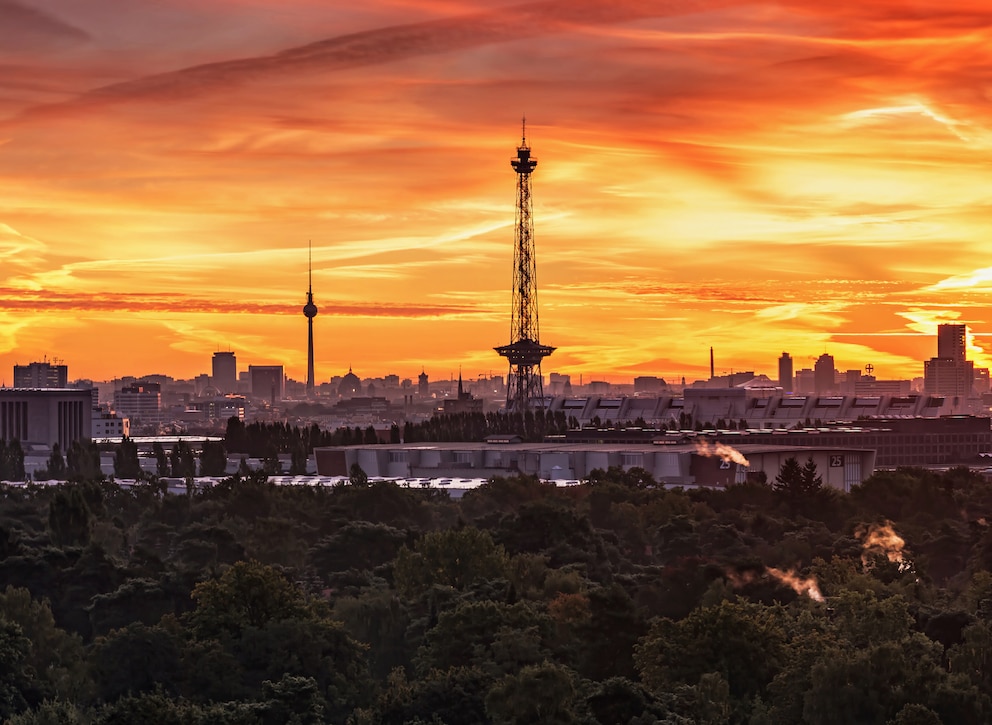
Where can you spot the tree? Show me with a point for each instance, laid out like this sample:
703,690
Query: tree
161,460
743,642
298,460
357,476
54,657
293,699
811,480
14,680
213,459
536,694
181,460
136,659
454,558
496,637
126,463
248,594
11,461
798,484
790,476
83,462
69,517
55,470
236,437
270,463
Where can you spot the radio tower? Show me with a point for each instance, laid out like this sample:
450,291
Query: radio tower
310,310
524,383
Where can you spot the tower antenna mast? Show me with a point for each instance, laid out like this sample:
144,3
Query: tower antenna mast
525,383
310,311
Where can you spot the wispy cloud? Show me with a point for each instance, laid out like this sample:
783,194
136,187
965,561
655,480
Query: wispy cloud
757,177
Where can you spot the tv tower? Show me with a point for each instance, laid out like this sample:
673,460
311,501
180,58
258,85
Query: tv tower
524,383
310,311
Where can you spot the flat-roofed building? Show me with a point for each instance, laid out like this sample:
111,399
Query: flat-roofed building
267,382
45,416
687,464
141,402
899,441
225,372
41,375
109,425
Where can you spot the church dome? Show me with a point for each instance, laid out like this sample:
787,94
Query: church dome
350,385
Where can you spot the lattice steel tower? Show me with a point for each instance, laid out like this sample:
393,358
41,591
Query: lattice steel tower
310,311
524,383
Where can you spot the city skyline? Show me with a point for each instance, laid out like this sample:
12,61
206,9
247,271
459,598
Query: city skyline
756,178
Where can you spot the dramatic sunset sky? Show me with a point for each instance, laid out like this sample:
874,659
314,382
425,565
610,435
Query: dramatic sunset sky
753,176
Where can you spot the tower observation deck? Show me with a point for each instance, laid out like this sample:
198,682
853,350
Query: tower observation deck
525,383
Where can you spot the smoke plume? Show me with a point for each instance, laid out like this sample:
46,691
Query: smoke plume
881,540
807,586
721,451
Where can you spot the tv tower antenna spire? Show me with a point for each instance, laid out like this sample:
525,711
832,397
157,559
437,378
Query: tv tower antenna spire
310,311
525,383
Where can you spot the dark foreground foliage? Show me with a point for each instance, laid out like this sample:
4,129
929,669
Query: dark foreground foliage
610,602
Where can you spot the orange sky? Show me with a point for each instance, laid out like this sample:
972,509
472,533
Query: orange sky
758,177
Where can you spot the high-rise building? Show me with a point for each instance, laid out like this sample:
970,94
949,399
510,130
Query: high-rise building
950,373
952,341
41,375
785,372
267,382
825,374
141,402
804,382
943,376
423,387
225,372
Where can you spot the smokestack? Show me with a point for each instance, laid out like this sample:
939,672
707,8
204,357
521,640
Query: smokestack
712,369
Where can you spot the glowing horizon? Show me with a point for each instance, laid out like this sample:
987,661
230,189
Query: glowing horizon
754,177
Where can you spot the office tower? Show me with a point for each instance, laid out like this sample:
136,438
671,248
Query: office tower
824,374
41,375
267,382
950,373
951,341
785,372
225,372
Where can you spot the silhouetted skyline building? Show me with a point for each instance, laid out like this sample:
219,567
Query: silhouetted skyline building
465,402
224,369
824,374
785,372
141,402
423,385
952,340
350,385
41,375
950,373
267,382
